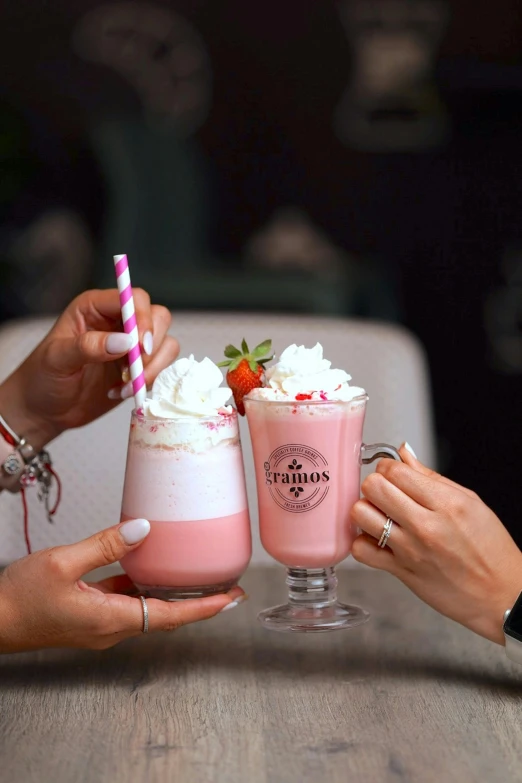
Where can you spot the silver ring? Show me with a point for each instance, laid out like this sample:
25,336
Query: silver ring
145,614
383,540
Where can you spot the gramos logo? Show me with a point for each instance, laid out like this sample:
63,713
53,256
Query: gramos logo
297,477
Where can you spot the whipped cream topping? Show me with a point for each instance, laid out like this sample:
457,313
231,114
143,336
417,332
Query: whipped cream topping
304,374
188,389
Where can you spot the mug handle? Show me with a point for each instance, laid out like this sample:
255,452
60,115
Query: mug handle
381,450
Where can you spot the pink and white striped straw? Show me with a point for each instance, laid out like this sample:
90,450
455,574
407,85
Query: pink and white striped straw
130,326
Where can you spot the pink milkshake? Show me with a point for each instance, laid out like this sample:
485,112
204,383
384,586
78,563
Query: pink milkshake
306,428
307,458
185,475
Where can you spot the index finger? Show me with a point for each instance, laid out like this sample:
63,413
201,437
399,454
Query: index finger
414,463
105,303
143,310
167,615
425,490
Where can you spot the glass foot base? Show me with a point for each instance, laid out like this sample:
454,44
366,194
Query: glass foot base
312,619
181,593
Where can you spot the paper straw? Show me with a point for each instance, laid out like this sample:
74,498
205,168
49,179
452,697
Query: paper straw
130,326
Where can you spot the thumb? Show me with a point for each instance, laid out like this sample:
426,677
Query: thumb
73,352
107,547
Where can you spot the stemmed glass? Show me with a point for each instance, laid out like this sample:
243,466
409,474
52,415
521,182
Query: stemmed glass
308,458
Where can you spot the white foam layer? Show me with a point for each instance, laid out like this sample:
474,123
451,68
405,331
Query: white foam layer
176,485
186,433
332,409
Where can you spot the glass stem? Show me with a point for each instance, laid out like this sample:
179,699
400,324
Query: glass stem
312,587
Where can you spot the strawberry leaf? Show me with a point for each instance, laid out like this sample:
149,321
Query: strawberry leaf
244,346
262,349
231,351
262,362
253,365
225,363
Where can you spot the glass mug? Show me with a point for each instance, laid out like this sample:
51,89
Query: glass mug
186,476
308,458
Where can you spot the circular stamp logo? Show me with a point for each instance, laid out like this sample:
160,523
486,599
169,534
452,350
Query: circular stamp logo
297,477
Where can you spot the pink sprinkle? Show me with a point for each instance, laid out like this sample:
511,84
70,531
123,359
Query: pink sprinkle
153,428
323,396
225,419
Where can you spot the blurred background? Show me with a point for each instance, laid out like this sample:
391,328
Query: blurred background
359,158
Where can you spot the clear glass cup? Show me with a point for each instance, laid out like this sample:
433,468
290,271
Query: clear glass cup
308,458
186,476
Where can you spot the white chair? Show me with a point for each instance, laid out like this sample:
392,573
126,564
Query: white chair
386,359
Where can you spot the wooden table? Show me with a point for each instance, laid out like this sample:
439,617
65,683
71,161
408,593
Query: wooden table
409,697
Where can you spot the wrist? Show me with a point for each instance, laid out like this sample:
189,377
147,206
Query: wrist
502,599
37,431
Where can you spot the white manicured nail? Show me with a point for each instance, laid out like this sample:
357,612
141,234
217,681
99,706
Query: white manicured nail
135,530
126,391
409,448
235,603
114,394
148,343
118,342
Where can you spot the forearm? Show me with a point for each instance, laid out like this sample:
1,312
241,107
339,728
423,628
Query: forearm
7,622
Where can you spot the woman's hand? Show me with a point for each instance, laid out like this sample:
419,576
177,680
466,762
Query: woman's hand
66,381
45,603
446,545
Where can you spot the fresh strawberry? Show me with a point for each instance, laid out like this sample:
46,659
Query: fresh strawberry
246,369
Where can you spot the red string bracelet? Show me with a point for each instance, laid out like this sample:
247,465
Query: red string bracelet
29,481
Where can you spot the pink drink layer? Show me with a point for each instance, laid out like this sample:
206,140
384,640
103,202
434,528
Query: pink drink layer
195,553
307,462
193,493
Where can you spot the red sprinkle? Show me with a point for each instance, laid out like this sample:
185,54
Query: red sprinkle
303,396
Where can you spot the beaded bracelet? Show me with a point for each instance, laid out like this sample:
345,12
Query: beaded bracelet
21,467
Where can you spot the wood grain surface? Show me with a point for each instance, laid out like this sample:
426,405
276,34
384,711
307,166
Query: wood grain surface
409,697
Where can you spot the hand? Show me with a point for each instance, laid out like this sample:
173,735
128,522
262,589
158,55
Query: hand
45,603
66,381
446,545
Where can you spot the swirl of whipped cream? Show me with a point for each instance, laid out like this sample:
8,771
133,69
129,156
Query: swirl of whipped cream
188,389
304,371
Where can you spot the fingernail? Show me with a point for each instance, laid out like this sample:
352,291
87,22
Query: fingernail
126,391
148,343
233,604
135,530
409,448
114,393
118,342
